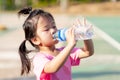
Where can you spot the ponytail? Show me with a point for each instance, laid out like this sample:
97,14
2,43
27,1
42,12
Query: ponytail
25,11
26,65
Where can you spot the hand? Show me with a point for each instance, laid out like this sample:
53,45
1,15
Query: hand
84,29
70,37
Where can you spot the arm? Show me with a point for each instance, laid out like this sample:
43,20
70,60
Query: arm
87,50
55,64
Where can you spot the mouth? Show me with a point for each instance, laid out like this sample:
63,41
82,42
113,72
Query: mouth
55,39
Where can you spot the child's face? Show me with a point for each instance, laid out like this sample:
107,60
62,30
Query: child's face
45,29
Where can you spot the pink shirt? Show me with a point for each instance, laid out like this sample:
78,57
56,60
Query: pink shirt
64,73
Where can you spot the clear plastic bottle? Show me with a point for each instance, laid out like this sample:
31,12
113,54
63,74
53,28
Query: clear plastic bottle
81,33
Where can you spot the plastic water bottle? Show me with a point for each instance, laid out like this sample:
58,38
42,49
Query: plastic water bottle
81,33
60,34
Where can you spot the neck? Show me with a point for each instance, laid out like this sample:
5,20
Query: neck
43,48
49,50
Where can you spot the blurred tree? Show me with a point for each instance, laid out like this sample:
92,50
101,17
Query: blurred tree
64,5
16,4
113,0
24,3
8,4
35,2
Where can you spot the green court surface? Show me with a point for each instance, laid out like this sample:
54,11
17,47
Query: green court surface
110,25
105,63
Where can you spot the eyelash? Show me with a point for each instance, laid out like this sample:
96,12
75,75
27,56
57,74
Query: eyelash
54,27
47,29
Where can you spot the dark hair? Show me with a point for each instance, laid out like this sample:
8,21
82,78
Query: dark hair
29,27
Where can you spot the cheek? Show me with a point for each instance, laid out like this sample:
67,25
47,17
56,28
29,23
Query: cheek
46,37
46,41
43,35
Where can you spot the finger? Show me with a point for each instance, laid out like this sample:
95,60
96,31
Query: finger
72,33
70,30
73,30
79,22
90,27
75,25
84,21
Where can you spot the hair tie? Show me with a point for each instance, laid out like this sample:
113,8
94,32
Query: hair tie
29,10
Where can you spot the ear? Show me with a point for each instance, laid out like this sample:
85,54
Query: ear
35,40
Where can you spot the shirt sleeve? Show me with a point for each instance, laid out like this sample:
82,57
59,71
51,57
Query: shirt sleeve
39,62
74,56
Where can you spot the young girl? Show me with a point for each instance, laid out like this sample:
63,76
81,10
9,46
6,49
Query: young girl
50,63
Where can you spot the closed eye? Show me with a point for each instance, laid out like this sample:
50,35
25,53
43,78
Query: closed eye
46,29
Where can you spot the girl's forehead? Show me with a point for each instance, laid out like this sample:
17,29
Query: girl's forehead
43,21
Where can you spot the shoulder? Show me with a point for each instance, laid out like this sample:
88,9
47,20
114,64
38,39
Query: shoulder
73,50
39,57
76,49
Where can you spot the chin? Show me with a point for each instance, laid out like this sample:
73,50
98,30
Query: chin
52,43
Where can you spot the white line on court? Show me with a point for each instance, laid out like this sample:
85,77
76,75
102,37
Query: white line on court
107,38
8,65
12,55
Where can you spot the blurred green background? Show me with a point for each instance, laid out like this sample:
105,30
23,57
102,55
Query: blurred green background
103,14
17,4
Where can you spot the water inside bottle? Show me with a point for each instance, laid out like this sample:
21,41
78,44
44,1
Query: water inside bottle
84,32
